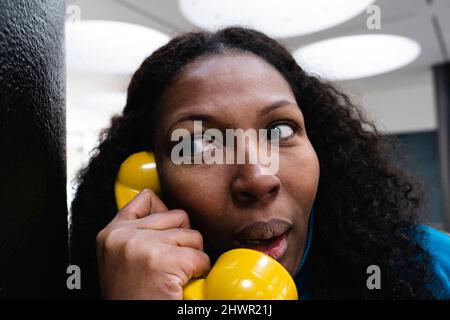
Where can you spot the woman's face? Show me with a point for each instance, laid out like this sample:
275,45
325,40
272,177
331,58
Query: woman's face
239,205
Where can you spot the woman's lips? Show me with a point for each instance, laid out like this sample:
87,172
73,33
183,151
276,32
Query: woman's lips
269,237
274,247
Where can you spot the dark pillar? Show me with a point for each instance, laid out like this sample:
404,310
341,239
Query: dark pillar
442,88
33,237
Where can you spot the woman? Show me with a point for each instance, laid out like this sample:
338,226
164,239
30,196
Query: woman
366,209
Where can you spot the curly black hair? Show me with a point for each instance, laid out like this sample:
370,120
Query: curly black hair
367,207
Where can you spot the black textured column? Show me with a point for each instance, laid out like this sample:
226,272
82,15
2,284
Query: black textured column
33,237
442,87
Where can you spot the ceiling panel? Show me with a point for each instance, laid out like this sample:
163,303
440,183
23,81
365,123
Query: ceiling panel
411,18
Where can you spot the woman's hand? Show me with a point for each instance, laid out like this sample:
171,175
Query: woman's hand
148,252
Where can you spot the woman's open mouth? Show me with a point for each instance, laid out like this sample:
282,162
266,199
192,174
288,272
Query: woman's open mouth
267,237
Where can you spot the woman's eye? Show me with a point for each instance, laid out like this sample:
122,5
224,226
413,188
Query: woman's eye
281,131
200,144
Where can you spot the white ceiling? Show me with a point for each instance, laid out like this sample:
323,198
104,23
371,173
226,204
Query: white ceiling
411,18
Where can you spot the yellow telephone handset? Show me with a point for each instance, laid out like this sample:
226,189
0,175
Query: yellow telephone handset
238,274
136,173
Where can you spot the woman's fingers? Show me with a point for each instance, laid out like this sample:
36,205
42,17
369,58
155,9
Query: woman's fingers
148,251
144,204
182,238
164,220
194,264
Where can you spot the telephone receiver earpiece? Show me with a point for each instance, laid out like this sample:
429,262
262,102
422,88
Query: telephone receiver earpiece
238,274
136,173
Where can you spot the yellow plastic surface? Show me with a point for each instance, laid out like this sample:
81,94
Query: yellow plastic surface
136,173
243,274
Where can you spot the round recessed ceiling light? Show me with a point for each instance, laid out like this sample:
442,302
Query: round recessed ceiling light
359,56
276,18
112,47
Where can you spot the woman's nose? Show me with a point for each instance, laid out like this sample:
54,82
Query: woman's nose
253,184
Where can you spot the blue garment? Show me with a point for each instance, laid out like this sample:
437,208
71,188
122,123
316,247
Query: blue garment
438,245
299,274
436,242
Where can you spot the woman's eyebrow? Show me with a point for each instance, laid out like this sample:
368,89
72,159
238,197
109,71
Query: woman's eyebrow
194,117
273,106
189,116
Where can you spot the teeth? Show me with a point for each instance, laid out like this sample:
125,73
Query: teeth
254,242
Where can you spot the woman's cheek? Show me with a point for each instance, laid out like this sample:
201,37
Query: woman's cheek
194,188
299,172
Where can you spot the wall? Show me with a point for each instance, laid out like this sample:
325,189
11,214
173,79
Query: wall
33,212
